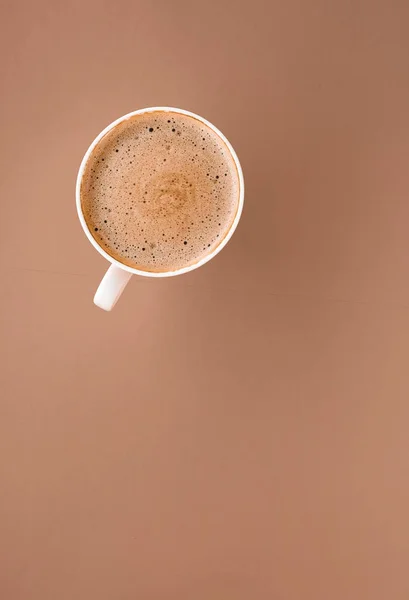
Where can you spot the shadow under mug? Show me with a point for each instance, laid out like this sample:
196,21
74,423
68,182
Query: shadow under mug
118,274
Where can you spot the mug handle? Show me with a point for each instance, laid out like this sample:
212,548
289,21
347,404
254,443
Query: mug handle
111,287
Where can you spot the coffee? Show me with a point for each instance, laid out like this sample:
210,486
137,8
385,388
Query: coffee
160,191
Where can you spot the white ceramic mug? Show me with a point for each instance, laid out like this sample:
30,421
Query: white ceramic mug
118,274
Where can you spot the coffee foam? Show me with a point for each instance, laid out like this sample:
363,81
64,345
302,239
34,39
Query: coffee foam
160,191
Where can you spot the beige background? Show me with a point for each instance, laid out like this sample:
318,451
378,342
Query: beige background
240,432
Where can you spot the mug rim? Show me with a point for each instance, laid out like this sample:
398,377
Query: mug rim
203,260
